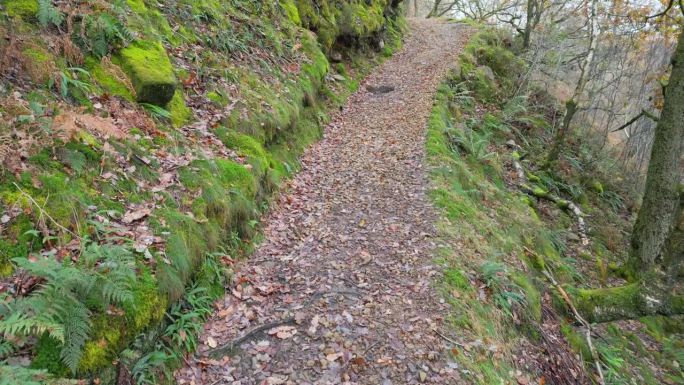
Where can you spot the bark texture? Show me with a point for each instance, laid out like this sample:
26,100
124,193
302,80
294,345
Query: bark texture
660,211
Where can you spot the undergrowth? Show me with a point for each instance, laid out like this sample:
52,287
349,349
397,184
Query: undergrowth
497,244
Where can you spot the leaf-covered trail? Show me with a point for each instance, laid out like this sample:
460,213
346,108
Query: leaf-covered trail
343,277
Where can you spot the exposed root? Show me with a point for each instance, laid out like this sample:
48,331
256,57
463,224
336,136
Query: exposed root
229,347
564,204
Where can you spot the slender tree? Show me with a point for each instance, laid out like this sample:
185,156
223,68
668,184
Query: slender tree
572,104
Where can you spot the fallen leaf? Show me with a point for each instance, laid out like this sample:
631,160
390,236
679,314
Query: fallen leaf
135,215
333,356
212,342
276,380
283,332
422,376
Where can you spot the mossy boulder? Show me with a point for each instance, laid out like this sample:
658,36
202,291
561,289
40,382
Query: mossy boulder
110,78
151,72
358,19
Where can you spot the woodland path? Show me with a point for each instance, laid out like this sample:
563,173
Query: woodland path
344,274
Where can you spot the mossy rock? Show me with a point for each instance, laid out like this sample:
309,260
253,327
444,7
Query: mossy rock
151,72
291,12
361,20
25,9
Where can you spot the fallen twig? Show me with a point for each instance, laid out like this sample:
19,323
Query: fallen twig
226,348
447,338
43,212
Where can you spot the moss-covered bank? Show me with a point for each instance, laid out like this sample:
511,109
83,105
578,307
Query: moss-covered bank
159,131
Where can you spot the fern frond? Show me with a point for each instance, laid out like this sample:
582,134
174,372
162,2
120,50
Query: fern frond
48,14
18,324
77,331
6,348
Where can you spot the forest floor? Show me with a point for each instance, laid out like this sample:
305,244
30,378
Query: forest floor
340,288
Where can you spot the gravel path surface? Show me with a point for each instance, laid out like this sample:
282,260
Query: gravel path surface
340,290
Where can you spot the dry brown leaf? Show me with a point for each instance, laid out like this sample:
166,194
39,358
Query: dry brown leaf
283,332
135,215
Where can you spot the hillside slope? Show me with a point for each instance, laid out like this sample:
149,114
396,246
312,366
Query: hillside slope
140,141
514,253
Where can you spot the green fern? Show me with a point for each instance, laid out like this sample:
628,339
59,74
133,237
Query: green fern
48,14
157,112
6,349
101,34
58,307
13,375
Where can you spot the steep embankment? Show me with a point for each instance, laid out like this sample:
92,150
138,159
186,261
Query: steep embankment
339,291
139,142
508,234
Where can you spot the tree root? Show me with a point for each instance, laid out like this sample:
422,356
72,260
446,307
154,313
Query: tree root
563,204
225,349
630,301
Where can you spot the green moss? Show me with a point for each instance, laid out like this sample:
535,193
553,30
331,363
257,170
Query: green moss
457,279
150,70
185,247
217,98
291,11
236,176
39,64
180,113
25,9
137,6
99,352
359,19
245,146
597,187
110,80
47,356
595,304
147,307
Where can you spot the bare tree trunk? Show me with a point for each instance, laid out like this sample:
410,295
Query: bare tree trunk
571,105
435,9
527,32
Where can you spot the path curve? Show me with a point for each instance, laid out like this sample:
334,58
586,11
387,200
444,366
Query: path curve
345,268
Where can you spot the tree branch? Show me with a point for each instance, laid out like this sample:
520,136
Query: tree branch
634,119
669,6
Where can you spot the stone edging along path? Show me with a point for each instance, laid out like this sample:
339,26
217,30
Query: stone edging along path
340,289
